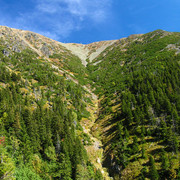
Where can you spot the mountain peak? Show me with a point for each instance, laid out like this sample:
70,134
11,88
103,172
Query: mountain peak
43,46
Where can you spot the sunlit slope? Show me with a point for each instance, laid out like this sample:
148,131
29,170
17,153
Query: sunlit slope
138,82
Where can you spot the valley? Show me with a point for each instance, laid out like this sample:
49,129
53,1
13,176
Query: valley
105,110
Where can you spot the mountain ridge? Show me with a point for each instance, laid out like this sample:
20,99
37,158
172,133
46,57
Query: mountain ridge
83,51
116,116
38,43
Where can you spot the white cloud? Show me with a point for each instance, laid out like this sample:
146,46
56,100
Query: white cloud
59,18
77,8
70,15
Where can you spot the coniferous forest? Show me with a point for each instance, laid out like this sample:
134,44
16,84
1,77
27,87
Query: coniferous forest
43,102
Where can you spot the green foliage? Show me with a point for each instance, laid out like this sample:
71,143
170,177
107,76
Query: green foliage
152,169
40,112
73,64
7,165
140,76
143,152
25,173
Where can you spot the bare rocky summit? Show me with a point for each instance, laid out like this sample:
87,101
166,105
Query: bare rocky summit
89,51
17,40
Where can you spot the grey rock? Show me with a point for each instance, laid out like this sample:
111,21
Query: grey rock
171,46
31,36
45,50
134,36
15,48
174,47
6,52
178,51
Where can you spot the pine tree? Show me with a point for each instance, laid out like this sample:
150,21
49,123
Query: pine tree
163,130
126,134
7,165
143,152
178,174
172,141
135,147
98,175
152,169
81,172
164,164
172,170
65,167
151,97
143,173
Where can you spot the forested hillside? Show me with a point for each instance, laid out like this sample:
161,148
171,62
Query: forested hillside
50,119
138,82
40,112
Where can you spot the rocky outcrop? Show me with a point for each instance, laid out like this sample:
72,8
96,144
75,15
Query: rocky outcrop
174,47
88,51
6,52
17,40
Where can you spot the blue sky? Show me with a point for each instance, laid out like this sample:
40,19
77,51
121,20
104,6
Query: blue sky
86,21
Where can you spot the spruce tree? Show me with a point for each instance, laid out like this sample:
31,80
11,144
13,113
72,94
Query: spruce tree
135,147
153,173
143,152
164,165
7,165
164,162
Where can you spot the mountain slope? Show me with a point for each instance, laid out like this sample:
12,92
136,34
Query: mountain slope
41,105
73,111
90,51
138,84
44,46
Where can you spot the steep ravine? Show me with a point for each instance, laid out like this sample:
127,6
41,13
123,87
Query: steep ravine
95,150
